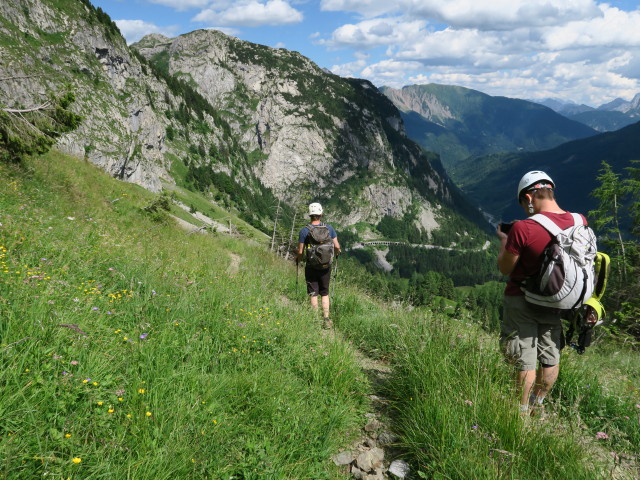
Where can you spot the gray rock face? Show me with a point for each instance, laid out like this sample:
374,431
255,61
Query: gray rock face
427,105
121,131
273,119
302,123
343,458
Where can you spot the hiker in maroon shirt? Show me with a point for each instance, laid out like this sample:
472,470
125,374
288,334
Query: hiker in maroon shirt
531,335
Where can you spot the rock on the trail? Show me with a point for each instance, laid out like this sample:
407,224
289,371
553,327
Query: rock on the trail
399,468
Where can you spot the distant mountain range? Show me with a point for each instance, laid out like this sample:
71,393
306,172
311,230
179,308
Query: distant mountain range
458,122
487,143
491,180
607,117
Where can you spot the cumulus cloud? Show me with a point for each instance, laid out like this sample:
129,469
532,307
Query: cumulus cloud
505,14
134,30
483,15
250,14
374,33
351,69
615,28
505,47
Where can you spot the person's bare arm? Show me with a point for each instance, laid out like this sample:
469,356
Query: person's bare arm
506,260
300,251
336,246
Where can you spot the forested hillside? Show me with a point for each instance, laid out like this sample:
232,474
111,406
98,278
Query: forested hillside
573,166
458,122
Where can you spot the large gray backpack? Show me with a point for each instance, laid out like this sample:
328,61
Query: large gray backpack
320,249
566,278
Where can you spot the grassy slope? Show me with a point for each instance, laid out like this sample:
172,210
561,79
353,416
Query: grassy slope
236,377
233,378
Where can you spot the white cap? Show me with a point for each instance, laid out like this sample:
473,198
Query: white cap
530,179
315,209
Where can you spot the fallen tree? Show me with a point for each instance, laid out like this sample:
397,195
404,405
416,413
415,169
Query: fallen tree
33,130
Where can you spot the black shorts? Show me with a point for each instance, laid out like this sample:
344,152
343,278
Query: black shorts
317,281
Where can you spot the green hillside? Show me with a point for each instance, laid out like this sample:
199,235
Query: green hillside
458,122
603,120
132,348
573,166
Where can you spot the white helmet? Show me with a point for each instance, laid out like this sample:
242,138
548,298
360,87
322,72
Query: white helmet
531,179
315,209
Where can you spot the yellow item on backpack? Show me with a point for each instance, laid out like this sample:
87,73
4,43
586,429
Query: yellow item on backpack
601,266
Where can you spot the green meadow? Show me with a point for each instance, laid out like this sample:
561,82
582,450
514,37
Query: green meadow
131,348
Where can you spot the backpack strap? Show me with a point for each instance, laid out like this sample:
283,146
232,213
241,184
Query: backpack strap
547,223
551,226
577,219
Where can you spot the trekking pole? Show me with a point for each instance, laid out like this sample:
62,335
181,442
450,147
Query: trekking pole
335,276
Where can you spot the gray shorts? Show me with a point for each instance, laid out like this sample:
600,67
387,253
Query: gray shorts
530,333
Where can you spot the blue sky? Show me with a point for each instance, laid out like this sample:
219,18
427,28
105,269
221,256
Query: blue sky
584,51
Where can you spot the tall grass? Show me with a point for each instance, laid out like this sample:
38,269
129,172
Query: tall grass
455,408
143,352
132,349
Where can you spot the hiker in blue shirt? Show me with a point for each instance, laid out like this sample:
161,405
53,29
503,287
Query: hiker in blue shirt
321,243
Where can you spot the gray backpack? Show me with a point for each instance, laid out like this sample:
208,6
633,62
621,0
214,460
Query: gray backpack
566,278
320,249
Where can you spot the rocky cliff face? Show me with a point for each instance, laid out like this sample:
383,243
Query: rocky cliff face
52,47
269,118
424,103
315,134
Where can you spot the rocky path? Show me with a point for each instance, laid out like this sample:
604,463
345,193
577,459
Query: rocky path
370,457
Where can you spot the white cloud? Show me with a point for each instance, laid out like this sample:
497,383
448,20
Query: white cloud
483,15
615,28
575,48
504,14
134,30
389,71
251,14
374,33
351,69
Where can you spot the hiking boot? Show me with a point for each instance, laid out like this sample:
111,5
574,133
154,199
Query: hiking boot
525,413
538,412
326,323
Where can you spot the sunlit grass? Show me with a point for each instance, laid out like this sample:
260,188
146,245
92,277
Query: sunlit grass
455,409
132,349
129,351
